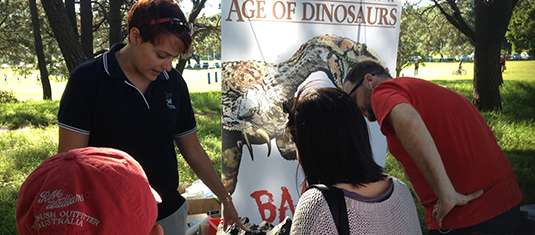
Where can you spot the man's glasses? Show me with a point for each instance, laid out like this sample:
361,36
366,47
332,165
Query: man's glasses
355,87
359,83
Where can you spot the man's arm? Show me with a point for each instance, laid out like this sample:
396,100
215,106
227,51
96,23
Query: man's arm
418,142
70,140
199,162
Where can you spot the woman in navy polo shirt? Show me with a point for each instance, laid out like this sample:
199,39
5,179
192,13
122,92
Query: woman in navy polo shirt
130,98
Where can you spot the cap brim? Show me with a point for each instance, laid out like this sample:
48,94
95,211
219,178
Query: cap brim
156,195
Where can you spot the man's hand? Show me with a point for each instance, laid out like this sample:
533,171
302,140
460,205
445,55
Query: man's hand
230,215
444,205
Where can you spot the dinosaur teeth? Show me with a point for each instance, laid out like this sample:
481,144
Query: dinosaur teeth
265,137
248,143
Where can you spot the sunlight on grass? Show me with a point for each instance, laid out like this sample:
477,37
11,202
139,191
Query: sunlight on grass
20,152
516,70
30,88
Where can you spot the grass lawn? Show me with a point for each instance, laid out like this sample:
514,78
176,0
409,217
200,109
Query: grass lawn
28,133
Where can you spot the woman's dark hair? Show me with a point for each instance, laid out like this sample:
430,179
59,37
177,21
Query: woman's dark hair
156,17
332,139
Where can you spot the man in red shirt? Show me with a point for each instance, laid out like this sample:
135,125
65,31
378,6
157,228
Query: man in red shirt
461,176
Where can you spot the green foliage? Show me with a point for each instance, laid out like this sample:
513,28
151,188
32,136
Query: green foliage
442,37
409,44
7,97
207,108
17,42
209,102
28,113
424,32
207,38
20,152
521,31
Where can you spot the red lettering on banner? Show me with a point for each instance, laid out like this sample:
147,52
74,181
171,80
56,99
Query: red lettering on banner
264,207
286,198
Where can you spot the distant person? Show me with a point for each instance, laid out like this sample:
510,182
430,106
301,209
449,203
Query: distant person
88,191
333,147
5,78
416,67
130,98
461,176
502,63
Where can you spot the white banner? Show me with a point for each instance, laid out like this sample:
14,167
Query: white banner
269,47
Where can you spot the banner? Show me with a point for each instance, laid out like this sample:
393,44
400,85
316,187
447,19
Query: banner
269,47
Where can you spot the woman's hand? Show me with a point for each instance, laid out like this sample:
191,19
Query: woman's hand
230,215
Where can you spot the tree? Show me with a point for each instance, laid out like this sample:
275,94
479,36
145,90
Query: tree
207,44
86,27
440,37
410,43
66,37
47,91
486,34
115,21
71,14
521,31
16,40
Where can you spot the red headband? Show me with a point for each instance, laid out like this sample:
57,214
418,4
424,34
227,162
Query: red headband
159,21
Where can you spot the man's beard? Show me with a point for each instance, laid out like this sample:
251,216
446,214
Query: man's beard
371,116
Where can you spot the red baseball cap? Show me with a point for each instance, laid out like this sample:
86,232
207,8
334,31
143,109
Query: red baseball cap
87,191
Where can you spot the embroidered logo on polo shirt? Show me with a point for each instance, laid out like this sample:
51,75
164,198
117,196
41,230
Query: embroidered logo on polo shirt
169,101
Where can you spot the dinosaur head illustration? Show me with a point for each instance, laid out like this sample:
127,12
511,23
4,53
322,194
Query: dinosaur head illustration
255,94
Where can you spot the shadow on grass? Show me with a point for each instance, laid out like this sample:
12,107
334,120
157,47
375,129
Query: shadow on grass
8,198
523,163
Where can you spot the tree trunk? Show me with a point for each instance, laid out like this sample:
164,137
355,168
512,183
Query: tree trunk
487,76
491,20
115,21
181,65
67,40
71,14
47,91
86,25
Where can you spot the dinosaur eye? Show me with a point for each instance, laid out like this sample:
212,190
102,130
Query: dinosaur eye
245,114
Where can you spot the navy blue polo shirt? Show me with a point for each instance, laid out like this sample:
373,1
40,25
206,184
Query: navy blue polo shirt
101,102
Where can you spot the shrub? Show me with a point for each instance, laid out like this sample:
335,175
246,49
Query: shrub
7,97
28,113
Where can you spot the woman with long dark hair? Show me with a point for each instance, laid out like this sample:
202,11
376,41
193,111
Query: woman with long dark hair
333,148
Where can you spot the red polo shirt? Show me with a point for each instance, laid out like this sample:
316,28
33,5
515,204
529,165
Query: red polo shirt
468,149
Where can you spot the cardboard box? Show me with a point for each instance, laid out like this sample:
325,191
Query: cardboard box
202,205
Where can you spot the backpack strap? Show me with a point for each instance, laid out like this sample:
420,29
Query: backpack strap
337,205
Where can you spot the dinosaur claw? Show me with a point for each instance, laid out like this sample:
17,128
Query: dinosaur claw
249,146
265,137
